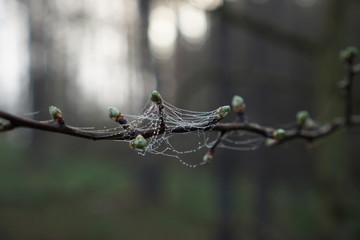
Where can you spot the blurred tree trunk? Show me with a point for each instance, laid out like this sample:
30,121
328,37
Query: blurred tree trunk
149,172
225,163
333,161
39,77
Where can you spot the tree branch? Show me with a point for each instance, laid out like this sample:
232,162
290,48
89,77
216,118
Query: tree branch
321,131
304,127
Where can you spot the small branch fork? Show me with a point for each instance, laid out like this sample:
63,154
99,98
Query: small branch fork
305,127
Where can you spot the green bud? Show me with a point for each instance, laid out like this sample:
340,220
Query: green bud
222,112
114,113
349,53
279,134
155,97
55,113
208,157
138,143
302,116
238,104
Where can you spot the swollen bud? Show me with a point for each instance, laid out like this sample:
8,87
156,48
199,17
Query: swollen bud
155,97
208,157
302,117
138,143
116,116
222,112
279,134
238,104
56,114
114,113
348,54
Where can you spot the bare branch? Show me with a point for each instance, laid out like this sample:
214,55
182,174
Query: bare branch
304,127
321,131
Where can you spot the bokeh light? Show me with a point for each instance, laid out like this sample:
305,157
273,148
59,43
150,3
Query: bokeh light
14,55
192,23
207,4
162,31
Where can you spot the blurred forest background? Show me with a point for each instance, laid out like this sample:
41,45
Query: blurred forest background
86,55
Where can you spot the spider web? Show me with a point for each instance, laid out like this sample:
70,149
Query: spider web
183,148
179,122
174,118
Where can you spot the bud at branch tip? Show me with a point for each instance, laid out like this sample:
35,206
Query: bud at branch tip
155,97
114,113
238,104
222,112
348,54
208,157
301,117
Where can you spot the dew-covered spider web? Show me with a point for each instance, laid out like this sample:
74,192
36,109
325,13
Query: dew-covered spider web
177,133
186,132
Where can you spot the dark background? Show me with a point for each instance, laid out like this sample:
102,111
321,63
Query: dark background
83,56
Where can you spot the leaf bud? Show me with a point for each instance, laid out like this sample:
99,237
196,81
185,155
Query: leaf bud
56,114
155,97
279,134
208,157
348,54
222,112
302,117
138,143
114,113
238,104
